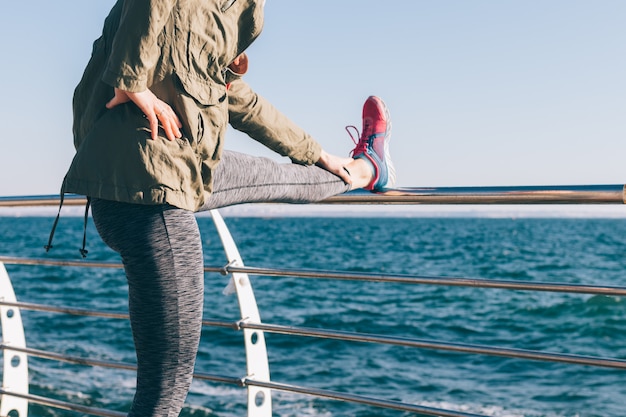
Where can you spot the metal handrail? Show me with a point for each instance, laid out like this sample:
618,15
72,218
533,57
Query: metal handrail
563,194
559,194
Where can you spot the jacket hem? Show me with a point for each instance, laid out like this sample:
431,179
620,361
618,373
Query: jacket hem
150,196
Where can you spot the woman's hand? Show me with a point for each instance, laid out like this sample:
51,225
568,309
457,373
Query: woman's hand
336,165
155,110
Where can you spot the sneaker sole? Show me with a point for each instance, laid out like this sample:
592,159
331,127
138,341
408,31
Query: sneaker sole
391,169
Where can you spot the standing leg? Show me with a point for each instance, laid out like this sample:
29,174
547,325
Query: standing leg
161,250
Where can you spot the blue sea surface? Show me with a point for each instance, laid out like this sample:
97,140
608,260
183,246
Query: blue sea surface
576,251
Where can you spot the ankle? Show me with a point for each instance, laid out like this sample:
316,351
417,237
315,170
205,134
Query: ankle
362,172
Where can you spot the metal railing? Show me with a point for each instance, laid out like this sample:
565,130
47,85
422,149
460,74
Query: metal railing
565,194
259,386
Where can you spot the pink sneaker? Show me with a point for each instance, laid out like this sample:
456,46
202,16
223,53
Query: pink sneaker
373,144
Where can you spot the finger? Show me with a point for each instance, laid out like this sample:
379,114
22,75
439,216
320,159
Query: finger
175,123
179,124
169,128
154,125
119,97
170,124
113,102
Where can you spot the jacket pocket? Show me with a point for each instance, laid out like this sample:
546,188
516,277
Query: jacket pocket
203,92
204,110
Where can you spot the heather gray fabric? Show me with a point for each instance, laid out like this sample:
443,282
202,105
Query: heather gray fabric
242,178
161,250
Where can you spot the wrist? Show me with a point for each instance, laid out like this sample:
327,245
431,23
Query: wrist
323,158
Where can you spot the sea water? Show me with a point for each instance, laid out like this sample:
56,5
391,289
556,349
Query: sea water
576,251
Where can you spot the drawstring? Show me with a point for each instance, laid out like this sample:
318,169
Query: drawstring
82,250
56,221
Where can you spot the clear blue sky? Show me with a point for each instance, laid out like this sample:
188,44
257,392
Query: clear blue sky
481,92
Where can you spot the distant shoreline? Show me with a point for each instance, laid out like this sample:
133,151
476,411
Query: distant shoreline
397,211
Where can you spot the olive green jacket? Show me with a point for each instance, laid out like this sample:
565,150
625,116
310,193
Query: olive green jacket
180,50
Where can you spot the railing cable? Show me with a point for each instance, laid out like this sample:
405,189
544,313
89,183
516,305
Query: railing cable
64,405
444,281
357,337
359,399
346,276
436,345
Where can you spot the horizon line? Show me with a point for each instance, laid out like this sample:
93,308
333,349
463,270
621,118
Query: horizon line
270,210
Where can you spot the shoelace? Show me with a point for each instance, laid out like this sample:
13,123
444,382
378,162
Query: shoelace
360,143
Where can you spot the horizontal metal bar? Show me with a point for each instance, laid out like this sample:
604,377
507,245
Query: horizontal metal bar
11,260
64,310
219,379
42,200
394,278
101,314
348,336
215,378
224,324
435,345
445,281
568,194
63,405
70,359
551,194
514,353
359,399
76,360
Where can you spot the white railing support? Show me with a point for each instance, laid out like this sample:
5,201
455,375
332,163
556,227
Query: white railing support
15,364
259,399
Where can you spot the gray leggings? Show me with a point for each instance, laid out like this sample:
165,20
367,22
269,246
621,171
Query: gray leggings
161,250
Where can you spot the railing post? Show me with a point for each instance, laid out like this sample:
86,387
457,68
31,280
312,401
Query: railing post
15,364
259,399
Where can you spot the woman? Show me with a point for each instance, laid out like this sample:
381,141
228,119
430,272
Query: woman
150,114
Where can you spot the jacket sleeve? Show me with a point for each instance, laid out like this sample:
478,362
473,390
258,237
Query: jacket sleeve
135,49
255,116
